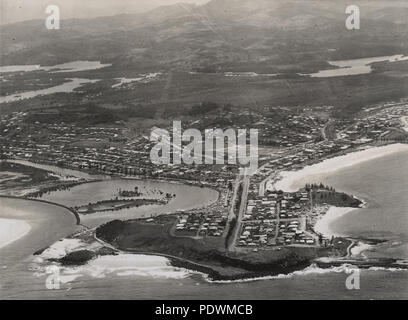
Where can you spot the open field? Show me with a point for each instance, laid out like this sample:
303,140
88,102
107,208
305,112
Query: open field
176,92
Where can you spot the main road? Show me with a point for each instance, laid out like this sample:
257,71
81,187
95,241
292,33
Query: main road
241,211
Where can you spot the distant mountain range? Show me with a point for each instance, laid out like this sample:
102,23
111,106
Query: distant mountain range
216,36
193,47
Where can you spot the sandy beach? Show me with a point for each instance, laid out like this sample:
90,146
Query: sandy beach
359,248
323,224
404,121
12,230
293,180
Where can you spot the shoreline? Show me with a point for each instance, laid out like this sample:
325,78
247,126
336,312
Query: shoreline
212,275
59,170
12,230
289,180
77,217
335,214
404,121
323,224
97,177
208,272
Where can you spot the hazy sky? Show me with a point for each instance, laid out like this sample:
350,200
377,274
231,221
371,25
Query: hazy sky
20,10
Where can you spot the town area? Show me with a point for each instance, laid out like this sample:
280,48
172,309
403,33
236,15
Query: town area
250,213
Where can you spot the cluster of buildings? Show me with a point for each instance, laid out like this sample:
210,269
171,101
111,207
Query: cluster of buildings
277,126
202,223
271,217
210,221
286,128
384,122
255,234
274,219
274,232
189,224
97,149
292,232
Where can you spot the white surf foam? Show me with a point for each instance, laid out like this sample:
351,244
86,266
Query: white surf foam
311,270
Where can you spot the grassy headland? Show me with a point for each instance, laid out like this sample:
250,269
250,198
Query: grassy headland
208,255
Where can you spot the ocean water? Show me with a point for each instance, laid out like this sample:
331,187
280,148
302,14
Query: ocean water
317,285
382,182
48,224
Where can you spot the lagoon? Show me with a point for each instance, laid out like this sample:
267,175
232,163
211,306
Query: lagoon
141,277
69,86
186,197
354,66
73,66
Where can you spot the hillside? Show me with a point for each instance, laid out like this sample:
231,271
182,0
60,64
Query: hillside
224,30
193,46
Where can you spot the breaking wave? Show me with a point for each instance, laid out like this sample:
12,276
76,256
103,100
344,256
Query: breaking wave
311,270
120,265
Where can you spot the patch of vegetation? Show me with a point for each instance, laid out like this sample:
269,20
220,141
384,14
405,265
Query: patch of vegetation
82,116
153,237
203,108
322,194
